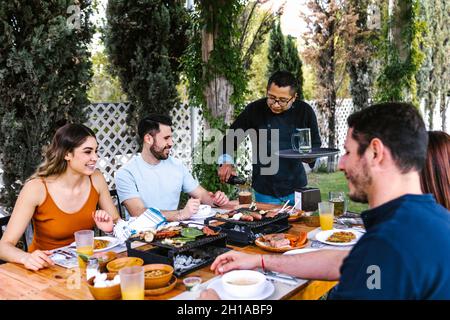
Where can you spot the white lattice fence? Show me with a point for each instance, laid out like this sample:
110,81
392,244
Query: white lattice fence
344,109
116,147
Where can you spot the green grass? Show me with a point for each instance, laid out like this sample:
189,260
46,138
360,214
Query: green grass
333,182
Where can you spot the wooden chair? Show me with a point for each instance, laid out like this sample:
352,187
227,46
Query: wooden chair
115,198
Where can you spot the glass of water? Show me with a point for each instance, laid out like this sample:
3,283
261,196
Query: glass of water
301,140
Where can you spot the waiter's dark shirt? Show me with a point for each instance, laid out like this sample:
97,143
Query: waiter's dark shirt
291,174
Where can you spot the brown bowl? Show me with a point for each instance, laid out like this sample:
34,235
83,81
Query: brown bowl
117,264
159,291
107,293
104,258
311,221
158,281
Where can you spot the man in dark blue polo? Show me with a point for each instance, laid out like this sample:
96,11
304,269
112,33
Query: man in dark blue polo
405,252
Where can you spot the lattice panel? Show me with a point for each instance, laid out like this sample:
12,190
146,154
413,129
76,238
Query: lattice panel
116,147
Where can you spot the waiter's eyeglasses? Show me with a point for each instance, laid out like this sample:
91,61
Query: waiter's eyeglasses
282,102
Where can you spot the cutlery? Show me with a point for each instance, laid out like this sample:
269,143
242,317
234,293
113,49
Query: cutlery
292,210
271,275
281,210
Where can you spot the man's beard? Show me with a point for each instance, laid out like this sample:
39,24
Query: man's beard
361,182
159,154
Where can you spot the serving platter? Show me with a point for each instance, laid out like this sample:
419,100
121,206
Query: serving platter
265,246
314,153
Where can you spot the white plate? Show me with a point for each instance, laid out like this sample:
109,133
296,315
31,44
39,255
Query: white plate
298,251
112,243
202,216
323,236
217,285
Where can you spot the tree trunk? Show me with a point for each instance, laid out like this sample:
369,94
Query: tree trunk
219,90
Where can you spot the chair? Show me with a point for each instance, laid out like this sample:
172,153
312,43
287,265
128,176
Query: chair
22,242
115,198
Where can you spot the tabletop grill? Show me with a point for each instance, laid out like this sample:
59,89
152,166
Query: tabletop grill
205,248
245,232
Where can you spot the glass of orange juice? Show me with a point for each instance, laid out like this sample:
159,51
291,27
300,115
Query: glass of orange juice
132,283
84,240
326,215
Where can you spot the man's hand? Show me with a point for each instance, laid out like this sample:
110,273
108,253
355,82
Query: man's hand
235,260
219,198
191,208
209,294
37,260
225,172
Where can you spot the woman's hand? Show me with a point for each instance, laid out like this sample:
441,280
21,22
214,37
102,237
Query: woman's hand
103,220
37,260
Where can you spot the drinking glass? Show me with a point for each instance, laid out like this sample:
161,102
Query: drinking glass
301,140
340,203
326,215
84,240
132,283
245,195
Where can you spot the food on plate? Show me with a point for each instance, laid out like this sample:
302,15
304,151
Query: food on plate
281,240
100,244
155,273
242,282
341,237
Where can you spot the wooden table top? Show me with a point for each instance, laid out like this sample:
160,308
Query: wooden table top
69,284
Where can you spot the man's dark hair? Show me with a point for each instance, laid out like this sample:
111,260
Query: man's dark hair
150,124
283,79
399,126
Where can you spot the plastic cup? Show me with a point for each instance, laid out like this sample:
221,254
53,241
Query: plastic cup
132,284
326,215
84,240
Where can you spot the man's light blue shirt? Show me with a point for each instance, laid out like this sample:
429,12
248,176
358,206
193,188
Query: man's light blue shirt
158,186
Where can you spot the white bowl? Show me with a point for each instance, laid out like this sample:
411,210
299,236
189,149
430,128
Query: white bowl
244,283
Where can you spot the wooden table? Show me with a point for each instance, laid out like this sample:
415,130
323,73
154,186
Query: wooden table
68,284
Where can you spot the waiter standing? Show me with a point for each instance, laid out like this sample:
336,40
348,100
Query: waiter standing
280,111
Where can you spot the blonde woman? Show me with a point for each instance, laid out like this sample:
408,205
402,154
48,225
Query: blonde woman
59,199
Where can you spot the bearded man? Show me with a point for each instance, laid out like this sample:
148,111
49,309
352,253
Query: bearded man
155,179
404,252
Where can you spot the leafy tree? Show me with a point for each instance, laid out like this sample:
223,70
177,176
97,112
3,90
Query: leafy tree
144,41
223,40
44,76
104,87
293,63
400,50
283,55
361,62
276,50
433,79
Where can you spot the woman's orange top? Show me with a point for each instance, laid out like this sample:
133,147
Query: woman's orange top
54,228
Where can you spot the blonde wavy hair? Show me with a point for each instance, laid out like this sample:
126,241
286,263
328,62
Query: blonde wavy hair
65,140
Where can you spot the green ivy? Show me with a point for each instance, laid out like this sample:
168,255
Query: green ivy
398,77
220,18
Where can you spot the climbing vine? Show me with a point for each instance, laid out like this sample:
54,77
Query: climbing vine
397,80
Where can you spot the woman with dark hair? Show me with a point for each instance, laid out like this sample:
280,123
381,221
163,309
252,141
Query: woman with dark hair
60,198
435,177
